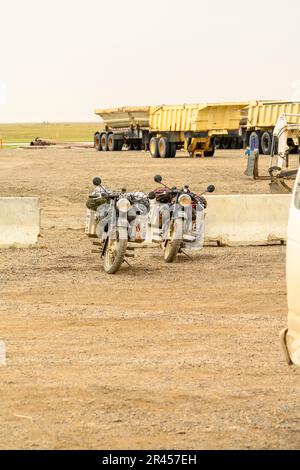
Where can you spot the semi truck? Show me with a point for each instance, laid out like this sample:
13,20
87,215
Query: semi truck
197,128
164,129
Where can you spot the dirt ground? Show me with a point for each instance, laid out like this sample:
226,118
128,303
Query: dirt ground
182,356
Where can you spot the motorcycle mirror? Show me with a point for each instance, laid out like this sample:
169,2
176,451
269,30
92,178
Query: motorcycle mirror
210,188
96,181
151,195
157,179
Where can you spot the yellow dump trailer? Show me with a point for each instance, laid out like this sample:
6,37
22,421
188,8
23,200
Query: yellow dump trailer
197,128
118,118
173,118
214,118
126,125
260,118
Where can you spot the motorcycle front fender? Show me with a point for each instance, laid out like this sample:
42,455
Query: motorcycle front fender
104,247
180,215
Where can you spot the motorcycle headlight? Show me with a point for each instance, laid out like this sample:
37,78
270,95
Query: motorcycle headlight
185,200
123,204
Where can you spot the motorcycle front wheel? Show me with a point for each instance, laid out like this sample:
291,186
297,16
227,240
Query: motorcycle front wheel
173,245
114,254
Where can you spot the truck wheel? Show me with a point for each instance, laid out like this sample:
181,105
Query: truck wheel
120,144
234,143
164,148
226,143
137,146
112,143
172,149
255,135
97,142
266,143
104,143
153,147
209,153
217,142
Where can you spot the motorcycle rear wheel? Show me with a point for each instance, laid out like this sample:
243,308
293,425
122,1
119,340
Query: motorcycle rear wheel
114,254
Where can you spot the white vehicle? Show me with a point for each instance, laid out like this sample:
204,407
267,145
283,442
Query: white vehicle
283,131
286,132
290,336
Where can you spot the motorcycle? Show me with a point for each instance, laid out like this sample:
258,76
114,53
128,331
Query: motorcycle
116,218
177,218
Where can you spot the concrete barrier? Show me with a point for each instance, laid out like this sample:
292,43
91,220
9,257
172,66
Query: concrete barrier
246,219
19,221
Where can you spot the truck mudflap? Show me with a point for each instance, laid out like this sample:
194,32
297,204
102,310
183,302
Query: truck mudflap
284,347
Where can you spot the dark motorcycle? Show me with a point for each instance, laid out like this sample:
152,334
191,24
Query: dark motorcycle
116,218
177,218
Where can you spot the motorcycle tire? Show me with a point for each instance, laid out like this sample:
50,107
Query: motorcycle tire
171,249
172,246
114,254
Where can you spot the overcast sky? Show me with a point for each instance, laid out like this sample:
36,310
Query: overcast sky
60,59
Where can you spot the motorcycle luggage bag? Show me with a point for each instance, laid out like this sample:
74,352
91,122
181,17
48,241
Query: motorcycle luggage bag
162,195
94,202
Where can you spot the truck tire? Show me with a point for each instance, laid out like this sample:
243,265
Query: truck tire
97,141
266,143
218,142
137,146
104,142
234,143
255,134
112,143
153,147
164,147
226,143
173,149
209,153
120,144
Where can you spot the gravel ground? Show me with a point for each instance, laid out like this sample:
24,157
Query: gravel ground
158,356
